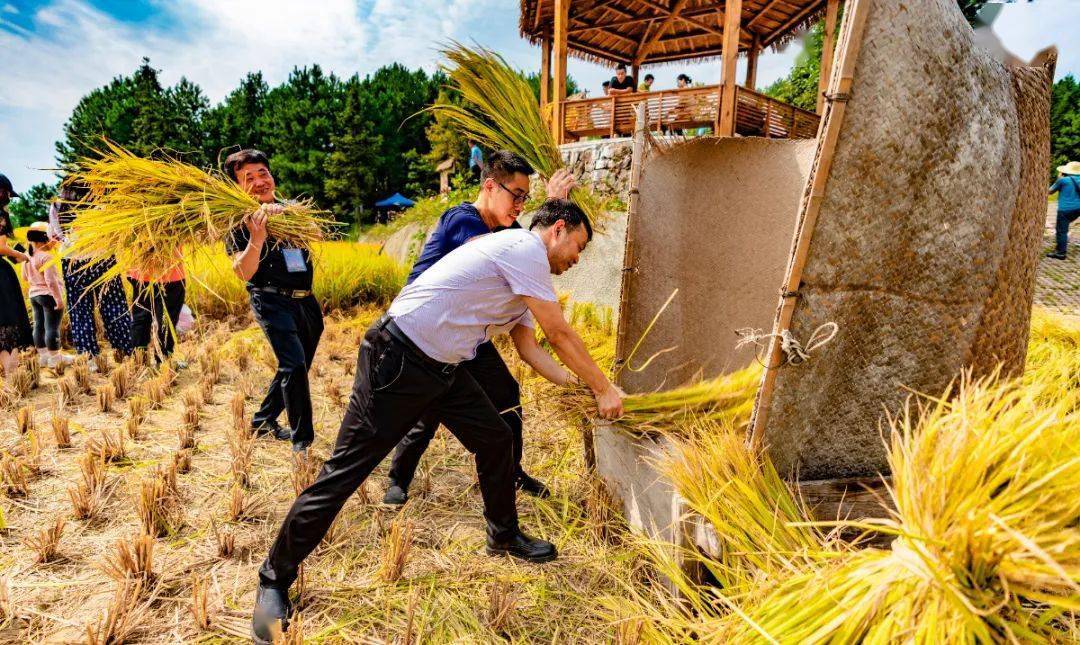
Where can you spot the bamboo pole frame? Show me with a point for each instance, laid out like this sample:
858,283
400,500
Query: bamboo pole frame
828,51
725,126
840,84
562,20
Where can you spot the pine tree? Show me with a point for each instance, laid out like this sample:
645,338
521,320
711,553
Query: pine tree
352,165
236,123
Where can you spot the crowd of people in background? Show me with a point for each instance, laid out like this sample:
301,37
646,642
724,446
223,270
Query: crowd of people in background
57,282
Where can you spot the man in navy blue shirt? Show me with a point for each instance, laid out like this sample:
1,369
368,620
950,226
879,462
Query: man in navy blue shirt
503,190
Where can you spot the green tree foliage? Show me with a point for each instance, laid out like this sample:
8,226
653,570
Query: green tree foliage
1065,121
32,205
139,113
353,164
800,86
236,122
298,122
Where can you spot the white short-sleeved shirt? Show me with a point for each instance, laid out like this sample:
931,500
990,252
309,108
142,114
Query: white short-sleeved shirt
474,293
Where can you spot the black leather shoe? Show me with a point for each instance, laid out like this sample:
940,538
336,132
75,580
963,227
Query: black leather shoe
532,486
523,547
395,496
301,446
1056,256
271,605
273,428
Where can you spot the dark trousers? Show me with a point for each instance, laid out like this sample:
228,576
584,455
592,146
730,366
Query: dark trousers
150,303
80,278
489,370
46,322
1061,230
293,327
394,387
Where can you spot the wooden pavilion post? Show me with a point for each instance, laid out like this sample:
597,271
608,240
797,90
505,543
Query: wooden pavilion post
725,126
751,63
828,49
562,20
545,71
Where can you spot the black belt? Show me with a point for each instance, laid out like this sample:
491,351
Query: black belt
391,328
288,293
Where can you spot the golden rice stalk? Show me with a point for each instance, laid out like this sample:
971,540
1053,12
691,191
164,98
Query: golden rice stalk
124,616
46,544
185,436
335,393
236,407
21,382
200,602
8,396
101,362
132,558
59,368
156,505
120,380
395,551
34,368
68,388
132,428
109,445
501,603
500,110
206,391
137,408
81,372
140,357
191,418
182,461
24,419
33,443
225,540
61,430
210,367
7,606
293,636
191,398
237,509
243,361
15,475
155,392
88,495
106,398
146,212
241,449
304,471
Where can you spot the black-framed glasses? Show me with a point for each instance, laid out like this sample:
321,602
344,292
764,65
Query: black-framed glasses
518,198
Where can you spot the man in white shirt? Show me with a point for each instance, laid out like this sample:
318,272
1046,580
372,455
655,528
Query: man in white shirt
407,366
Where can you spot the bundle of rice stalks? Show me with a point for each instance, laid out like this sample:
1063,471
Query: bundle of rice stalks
137,408
241,449
303,473
67,389
15,476
146,212
121,380
156,505
101,363
237,509
106,398
986,547
395,552
192,418
225,539
81,373
61,430
109,445
132,558
181,461
46,543
185,436
124,617
88,496
30,362
501,603
200,602
500,110
155,392
236,408
727,399
21,382
24,419
206,391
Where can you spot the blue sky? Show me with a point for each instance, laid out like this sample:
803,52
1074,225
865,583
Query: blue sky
54,51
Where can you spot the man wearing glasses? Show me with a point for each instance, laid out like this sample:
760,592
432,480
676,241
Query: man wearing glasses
503,190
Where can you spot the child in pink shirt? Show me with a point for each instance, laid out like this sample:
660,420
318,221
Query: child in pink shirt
46,298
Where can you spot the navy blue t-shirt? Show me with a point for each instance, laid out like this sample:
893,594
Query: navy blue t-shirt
456,226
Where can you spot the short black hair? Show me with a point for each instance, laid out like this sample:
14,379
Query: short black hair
620,66
502,165
243,158
554,210
606,84
650,77
682,77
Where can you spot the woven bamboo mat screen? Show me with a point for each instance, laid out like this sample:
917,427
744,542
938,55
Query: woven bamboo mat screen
715,221
926,236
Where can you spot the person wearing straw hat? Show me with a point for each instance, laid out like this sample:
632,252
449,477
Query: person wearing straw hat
14,322
502,197
1067,187
408,366
279,279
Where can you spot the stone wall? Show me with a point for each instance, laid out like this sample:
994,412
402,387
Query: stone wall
603,164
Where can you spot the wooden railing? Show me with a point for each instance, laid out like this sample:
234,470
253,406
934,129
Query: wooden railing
694,107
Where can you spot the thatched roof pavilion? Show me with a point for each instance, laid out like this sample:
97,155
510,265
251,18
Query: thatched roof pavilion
647,32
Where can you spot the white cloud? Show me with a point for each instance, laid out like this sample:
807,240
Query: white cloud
74,48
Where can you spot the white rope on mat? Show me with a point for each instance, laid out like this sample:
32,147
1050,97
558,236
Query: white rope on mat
794,351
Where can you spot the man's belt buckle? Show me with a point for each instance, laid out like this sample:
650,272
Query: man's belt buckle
299,293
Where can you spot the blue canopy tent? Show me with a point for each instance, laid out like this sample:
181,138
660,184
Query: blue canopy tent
395,202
